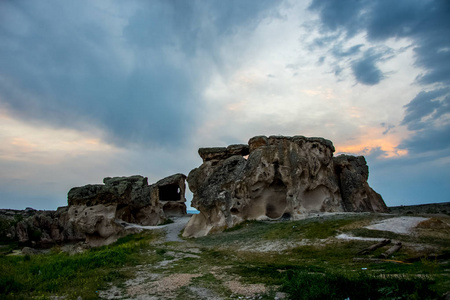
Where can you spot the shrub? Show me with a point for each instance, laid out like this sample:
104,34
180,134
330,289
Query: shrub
9,285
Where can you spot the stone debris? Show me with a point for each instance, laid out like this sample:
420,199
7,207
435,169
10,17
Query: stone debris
245,289
172,282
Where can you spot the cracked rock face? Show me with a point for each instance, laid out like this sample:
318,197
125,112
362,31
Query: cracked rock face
282,178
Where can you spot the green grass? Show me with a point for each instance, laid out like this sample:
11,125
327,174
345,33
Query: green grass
314,228
308,229
339,285
321,268
327,257
72,275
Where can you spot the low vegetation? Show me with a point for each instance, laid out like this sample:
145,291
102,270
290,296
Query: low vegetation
56,272
302,259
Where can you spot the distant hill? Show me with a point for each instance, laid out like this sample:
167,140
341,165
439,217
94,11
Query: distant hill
432,208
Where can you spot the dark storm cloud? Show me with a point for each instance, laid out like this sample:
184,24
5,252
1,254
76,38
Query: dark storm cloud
339,52
366,70
64,71
427,25
61,65
431,139
426,105
421,115
336,15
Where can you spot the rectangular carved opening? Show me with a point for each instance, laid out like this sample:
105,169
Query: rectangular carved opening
170,192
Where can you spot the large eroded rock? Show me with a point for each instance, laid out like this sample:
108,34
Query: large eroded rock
282,177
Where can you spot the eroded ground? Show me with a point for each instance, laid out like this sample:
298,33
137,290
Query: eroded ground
248,262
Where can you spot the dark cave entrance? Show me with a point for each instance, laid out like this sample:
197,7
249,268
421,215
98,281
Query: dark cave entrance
276,195
170,192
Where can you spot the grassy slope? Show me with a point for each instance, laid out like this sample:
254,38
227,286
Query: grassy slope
306,261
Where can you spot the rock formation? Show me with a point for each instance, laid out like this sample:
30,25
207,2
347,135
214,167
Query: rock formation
275,178
38,228
130,199
98,214
102,211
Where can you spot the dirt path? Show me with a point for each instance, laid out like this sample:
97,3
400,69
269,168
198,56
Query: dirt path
174,229
402,225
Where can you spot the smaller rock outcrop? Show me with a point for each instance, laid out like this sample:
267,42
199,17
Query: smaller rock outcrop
98,214
357,195
39,228
102,211
134,201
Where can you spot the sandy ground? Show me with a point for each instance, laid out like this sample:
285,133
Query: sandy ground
401,225
344,236
172,230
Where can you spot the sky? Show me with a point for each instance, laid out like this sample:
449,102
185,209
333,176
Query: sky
94,89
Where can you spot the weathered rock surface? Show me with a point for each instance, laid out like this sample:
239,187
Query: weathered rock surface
283,177
97,222
357,195
39,228
220,153
98,213
133,199
171,191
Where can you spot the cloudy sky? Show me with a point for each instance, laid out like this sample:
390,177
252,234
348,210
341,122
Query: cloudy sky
90,89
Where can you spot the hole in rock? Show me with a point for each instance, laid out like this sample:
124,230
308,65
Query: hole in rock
170,192
123,212
275,195
276,201
286,216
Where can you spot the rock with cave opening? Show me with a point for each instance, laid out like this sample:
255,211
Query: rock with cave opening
102,211
282,178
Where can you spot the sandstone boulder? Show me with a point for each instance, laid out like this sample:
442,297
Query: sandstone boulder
39,228
97,222
282,177
134,201
101,211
